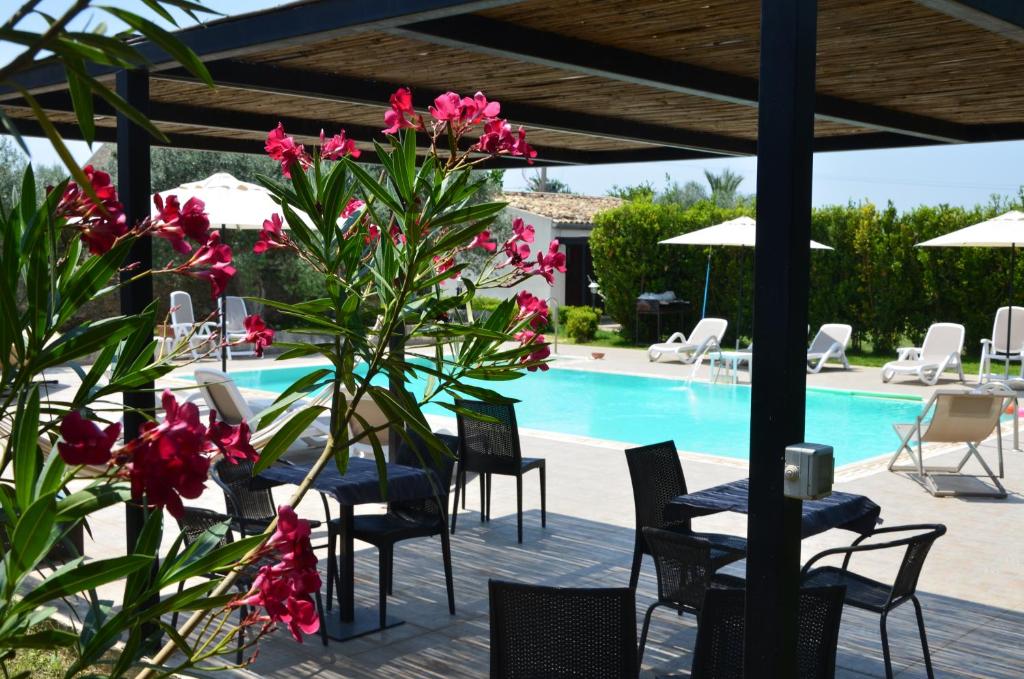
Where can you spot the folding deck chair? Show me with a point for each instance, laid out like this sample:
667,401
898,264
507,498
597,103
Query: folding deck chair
955,417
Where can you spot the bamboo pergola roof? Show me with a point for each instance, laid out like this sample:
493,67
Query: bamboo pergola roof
594,81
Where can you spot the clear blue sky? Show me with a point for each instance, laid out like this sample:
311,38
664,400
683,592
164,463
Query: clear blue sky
958,175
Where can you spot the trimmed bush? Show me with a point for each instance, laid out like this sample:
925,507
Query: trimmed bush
580,323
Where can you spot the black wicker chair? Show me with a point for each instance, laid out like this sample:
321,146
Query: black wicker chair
493,448
719,648
685,571
193,523
879,597
557,633
657,477
404,520
251,509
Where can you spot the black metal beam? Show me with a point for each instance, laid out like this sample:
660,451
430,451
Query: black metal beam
781,278
1002,17
322,86
298,23
482,35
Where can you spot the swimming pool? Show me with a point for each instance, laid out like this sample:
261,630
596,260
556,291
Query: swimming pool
700,417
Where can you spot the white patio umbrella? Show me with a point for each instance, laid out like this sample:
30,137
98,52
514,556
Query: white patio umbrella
1004,231
230,203
739,232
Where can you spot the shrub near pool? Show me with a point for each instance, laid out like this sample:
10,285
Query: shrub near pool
580,323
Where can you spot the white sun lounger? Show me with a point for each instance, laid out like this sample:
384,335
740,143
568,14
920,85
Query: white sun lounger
706,336
997,348
185,327
830,343
954,416
939,352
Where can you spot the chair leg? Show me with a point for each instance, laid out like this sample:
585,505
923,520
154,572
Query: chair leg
174,618
638,555
885,647
446,555
455,504
391,572
243,613
643,637
463,481
383,567
482,478
323,620
519,507
332,563
924,638
543,498
490,486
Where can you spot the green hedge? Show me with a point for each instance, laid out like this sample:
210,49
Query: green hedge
875,279
580,323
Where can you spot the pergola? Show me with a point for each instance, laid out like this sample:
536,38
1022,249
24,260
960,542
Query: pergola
608,82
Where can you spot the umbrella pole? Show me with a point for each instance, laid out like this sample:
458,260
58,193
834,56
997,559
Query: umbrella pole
707,280
741,278
1009,308
223,319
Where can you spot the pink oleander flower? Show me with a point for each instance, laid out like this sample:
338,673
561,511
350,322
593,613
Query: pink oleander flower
479,109
272,236
396,234
353,206
548,264
401,114
483,240
284,590
447,108
522,231
532,307
372,233
337,147
232,442
194,220
83,442
176,223
282,148
443,265
499,139
257,333
540,350
212,262
168,461
101,224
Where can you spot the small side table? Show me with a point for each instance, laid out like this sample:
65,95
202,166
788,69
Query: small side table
730,360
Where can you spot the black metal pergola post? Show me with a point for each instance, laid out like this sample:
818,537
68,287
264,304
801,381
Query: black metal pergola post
781,264
133,179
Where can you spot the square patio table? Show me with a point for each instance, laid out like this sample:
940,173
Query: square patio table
839,510
359,485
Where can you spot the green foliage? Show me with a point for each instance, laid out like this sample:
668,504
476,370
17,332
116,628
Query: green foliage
540,181
642,192
628,259
580,323
875,279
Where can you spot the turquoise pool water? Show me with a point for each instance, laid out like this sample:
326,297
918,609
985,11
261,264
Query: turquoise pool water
700,417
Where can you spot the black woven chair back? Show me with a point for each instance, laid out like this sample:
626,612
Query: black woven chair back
195,521
683,565
719,650
419,456
489,446
558,633
242,500
913,561
657,477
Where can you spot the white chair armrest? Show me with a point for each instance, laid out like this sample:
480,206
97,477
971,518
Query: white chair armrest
676,337
908,353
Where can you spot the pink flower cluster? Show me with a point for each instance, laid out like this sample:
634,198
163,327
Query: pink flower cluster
272,236
517,249
169,461
283,148
176,222
540,350
211,262
101,223
257,333
457,115
338,147
533,308
284,590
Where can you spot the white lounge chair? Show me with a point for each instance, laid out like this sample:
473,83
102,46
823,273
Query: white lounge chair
830,343
235,322
185,327
997,348
954,416
939,352
706,336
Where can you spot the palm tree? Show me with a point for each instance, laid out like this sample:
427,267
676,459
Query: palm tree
724,186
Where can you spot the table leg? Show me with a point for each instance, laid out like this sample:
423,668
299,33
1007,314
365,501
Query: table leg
351,622
735,369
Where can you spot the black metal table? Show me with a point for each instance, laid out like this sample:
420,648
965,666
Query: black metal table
359,485
838,510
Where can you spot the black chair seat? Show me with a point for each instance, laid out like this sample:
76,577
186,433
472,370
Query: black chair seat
861,592
391,527
725,548
528,463
248,527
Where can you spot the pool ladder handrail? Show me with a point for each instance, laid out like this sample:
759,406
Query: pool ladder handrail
553,306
